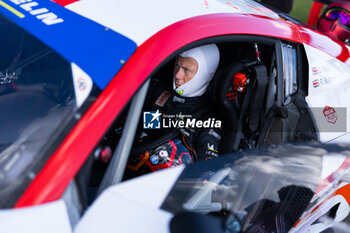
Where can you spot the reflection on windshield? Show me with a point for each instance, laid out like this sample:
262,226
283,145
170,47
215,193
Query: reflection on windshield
268,191
36,99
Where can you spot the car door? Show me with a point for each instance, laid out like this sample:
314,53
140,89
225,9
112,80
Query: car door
328,98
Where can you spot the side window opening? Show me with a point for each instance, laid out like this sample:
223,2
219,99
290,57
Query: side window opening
236,104
96,167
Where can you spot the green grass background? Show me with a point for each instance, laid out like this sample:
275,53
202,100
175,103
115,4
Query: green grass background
301,9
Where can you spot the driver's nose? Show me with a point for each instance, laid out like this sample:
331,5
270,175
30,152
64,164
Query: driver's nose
179,73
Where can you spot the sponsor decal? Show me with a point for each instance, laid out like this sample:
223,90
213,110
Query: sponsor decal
41,13
215,134
212,148
177,99
323,75
151,120
163,98
232,95
335,200
327,80
81,84
211,154
330,114
321,81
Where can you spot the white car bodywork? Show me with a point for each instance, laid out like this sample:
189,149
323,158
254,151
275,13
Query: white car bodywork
139,199
328,86
124,16
51,217
130,207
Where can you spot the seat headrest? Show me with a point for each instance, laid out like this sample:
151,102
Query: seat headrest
221,86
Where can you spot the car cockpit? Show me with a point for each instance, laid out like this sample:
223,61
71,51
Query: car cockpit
259,98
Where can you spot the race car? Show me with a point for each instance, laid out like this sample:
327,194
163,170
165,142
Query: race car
75,75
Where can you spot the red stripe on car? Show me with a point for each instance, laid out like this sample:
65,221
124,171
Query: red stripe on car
64,2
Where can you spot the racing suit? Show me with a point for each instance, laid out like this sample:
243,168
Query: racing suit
203,142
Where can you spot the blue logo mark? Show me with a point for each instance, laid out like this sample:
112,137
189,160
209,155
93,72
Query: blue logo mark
151,120
154,159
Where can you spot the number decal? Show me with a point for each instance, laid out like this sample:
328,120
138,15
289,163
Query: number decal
309,222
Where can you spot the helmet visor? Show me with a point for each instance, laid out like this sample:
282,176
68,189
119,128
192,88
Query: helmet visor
339,13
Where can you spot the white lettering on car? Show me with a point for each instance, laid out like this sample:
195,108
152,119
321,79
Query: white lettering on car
309,222
41,13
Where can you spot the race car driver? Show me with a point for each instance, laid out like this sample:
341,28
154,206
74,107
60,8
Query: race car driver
189,98
335,21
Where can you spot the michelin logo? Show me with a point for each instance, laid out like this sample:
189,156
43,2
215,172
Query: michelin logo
41,13
151,120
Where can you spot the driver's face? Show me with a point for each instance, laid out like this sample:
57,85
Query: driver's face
185,69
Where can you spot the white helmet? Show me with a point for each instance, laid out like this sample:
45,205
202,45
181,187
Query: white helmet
207,57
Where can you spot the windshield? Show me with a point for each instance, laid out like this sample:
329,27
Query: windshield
37,100
262,192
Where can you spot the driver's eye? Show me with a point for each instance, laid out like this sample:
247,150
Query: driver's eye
177,67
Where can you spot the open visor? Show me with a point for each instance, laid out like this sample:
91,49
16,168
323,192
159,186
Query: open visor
339,14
